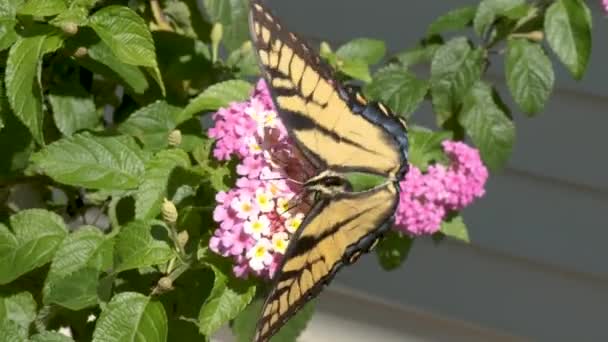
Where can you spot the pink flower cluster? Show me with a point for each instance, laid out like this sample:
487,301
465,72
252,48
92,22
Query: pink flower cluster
257,217
426,198
605,4
260,214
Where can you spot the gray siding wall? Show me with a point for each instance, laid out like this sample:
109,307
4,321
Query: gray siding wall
537,267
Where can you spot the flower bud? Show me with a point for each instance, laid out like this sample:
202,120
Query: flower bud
175,137
182,238
165,284
169,211
69,28
81,52
216,33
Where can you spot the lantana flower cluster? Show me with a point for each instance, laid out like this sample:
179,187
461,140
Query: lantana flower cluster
605,5
426,198
257,217
260,214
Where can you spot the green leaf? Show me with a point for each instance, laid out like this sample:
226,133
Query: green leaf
417,55
529,74
456,228
73,108
139,244
126,34
488,125
355,68
30,243
217,96
371,51
398,88
228,298
568,30
111,163
153,188
12,332
131,317
103,61
17,145
23,79
393,249
128,37
425,147
454,69
50,336
74,275
8,9
244,60
8,35
19,309
244,324
151,124
232,14
489,10
454,20
42,8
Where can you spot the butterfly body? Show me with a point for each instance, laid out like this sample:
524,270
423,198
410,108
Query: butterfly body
358,150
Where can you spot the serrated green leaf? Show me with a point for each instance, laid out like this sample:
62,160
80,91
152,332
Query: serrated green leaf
244,324
141,244
9,8
19,309
127,35
454,20
398,88
370,51
232,14
23,79
393,249
489,10
529,74
456,228
74,275
228,298
103,61
12,332
111,163
425,147
73,108
487,125
50,336
131,317
31,242
217,96
151,124
568,30
454,69
153,188
356,68
8,35
42,8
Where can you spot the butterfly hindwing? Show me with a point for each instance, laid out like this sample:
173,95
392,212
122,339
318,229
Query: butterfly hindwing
317,111
334,233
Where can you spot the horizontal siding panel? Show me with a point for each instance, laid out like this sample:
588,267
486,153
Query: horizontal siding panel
485,289
401,24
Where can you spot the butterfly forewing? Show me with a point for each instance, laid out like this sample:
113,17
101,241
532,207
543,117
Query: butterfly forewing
315,108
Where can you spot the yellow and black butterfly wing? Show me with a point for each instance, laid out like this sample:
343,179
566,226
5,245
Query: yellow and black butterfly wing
318,113
334,233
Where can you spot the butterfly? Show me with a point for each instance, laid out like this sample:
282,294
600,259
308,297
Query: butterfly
358,150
